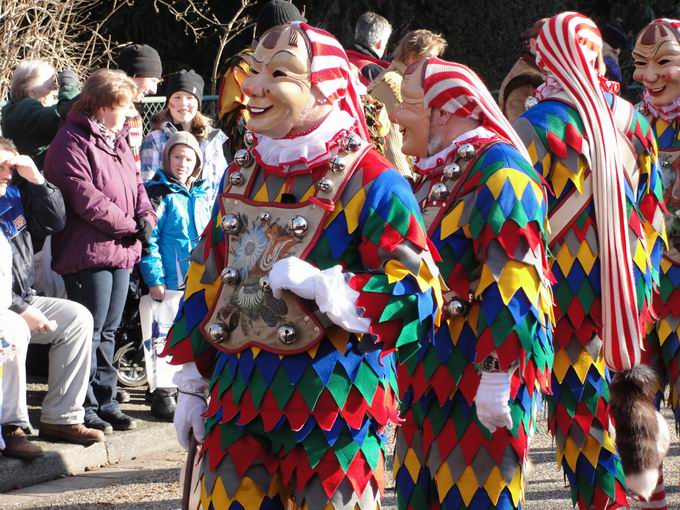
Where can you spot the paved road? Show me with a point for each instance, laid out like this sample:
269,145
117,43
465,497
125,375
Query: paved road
151,484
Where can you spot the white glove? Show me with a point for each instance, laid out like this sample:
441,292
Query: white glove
295,275
328,288
190,406
492,399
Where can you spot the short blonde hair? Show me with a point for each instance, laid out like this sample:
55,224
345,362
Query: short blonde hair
421,43
105,88
25,77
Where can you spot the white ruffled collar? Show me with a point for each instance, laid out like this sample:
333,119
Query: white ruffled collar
669,112
425,165
304,151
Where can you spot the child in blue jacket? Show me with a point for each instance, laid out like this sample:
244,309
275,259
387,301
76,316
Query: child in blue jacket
180,198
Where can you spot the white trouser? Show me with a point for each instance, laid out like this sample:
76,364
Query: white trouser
15,331
69,366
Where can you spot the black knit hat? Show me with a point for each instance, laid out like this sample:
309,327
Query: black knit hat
187,81
276,12
140,61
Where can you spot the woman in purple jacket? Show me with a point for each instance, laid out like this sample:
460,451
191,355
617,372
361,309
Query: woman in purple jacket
108,215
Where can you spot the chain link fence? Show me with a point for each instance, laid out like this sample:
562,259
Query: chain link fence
154,104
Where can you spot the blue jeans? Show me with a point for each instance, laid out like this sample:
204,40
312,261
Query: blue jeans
103,292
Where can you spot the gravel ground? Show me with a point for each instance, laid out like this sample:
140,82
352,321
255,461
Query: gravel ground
151,483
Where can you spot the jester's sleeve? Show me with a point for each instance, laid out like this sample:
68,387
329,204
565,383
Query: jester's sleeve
508,225
185,342
651,213
399,286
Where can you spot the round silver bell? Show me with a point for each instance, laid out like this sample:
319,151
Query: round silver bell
264,284
248,138
243,157
530,102
325,185
452,171
297,225
665,163
231,224
336,164
236,178
265,217
439,191
230,276
456,307
466,151
351,143
216,332
641,108
287,334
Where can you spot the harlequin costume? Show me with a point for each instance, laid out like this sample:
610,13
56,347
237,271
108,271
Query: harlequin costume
663,113
485,210
299,399
599,158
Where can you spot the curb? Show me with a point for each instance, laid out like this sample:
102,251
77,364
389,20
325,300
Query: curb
63,459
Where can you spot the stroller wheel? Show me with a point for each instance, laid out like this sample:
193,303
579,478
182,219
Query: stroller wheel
130,368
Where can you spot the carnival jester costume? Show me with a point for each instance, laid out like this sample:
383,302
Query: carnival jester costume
599,158
315,265
464,439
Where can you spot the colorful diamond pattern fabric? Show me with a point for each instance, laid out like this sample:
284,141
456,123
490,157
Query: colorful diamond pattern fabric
492,243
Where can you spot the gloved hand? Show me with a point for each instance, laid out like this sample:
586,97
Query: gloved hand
188,418
492,399
295,275
144,229
68,77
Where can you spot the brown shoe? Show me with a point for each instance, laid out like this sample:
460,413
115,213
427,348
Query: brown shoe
76,433
17,444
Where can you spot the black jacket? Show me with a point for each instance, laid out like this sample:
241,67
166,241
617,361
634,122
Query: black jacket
36,210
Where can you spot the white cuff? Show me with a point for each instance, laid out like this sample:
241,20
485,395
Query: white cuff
337,300
190,380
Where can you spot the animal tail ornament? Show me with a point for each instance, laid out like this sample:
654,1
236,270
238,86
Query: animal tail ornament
642,435
569,47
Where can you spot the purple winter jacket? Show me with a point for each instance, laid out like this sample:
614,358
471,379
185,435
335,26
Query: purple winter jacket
104,195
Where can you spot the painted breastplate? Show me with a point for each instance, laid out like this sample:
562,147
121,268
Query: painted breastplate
438,194
257,235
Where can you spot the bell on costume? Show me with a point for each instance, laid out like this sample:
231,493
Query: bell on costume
243,157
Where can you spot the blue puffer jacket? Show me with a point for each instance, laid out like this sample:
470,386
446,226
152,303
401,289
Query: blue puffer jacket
182,215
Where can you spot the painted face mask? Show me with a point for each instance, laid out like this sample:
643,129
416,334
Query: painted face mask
279,83
657,62
412,115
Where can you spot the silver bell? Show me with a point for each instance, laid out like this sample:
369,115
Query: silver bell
452,171
243,157
216,332
230,276
530,102
641,108
456,307
265,217
287,334
325,185
665,163
264,284
236,178
439,191
466,151
336,164
231,224
298,226
351,143
248,138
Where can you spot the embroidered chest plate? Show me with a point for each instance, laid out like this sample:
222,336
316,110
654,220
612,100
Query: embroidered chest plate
257,235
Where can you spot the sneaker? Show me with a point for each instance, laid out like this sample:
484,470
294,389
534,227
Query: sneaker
95,422
17,444
163,404
76,433
119,420
122,396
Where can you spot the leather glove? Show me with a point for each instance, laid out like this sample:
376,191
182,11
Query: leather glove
295,275
189,418
68,77
144,229
492,399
